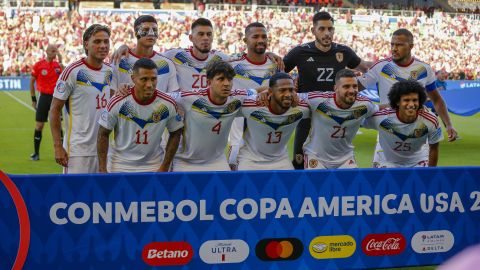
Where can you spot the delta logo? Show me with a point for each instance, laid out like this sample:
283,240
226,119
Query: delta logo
332,247
432,241
167,253
224,251
279,249
383,244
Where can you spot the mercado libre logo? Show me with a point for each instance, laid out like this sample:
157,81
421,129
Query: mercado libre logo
23,220
279,249
332,247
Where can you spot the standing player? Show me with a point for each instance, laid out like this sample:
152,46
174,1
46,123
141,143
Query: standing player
84,89
146,32
270,127
253,70
401,67
317,63
405,127
45,74
139,120
209,114
336,118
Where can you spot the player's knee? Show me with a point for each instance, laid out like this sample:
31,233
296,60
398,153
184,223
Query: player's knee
39,126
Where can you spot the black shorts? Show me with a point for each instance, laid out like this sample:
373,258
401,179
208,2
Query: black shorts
43,106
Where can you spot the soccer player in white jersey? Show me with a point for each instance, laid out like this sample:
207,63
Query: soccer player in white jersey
405,127
403,66
146,32
269,128
139,120
209,114
336,118
84,89
252,70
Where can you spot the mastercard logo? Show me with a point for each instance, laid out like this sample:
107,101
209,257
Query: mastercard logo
279,249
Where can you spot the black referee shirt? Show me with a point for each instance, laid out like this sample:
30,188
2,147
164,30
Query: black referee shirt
317,69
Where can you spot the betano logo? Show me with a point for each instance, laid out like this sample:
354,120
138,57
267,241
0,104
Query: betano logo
279,249
332,247
224,251
167,253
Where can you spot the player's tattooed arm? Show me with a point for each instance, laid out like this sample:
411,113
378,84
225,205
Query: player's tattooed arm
433,154
102,148
171,149
61,156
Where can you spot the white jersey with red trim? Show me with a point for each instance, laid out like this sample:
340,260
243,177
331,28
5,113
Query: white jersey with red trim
268,133
166,73
249,74
206,124
334,128
86,91
402,142
138,130
191,73
385,73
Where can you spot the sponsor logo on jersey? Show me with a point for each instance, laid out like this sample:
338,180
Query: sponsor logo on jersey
310,59
279,249
224,251
44,72
339,56
383,244
432,241
332,247
167,253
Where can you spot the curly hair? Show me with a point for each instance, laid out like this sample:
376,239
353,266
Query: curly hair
403,88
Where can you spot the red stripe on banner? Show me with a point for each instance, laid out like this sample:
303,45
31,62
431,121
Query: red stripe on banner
23,220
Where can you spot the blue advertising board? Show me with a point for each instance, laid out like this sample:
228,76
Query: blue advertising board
331,219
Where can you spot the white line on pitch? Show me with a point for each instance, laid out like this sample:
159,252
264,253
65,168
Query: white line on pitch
17,99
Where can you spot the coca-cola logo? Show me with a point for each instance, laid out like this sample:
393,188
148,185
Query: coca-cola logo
167,253
383,244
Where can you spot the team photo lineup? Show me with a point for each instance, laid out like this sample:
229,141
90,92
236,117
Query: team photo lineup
199,109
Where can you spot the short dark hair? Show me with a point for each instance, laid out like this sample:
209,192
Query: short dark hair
145,63
322,16
92,30
220,67
252,25
278,76
403,88
344,73
142,19
201,22
404,32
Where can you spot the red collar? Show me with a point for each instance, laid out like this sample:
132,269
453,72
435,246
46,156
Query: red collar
144,103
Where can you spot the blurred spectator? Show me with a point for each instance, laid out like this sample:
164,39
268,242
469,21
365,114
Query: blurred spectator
441,84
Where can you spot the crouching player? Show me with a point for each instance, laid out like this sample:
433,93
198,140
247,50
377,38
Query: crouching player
270,127
405,127
139,120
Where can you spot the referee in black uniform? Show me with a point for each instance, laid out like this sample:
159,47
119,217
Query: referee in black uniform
317,63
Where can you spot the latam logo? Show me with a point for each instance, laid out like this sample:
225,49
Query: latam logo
383,244
224,251
279,249
469,85
432,241
332,247
167,253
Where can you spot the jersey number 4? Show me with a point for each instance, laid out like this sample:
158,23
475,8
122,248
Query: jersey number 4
217,127
325,75
141,137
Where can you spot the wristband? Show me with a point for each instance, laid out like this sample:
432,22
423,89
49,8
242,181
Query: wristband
34,99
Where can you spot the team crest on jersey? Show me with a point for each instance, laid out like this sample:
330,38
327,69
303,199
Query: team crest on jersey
414,75
313,163
156,116
44,72
339,56
61,87
299,158
418,132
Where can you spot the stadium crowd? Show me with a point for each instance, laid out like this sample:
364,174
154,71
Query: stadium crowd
440,40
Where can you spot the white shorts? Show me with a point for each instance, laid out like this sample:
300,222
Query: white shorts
219,164
81,165
379,157
384,164
312,162
245,164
